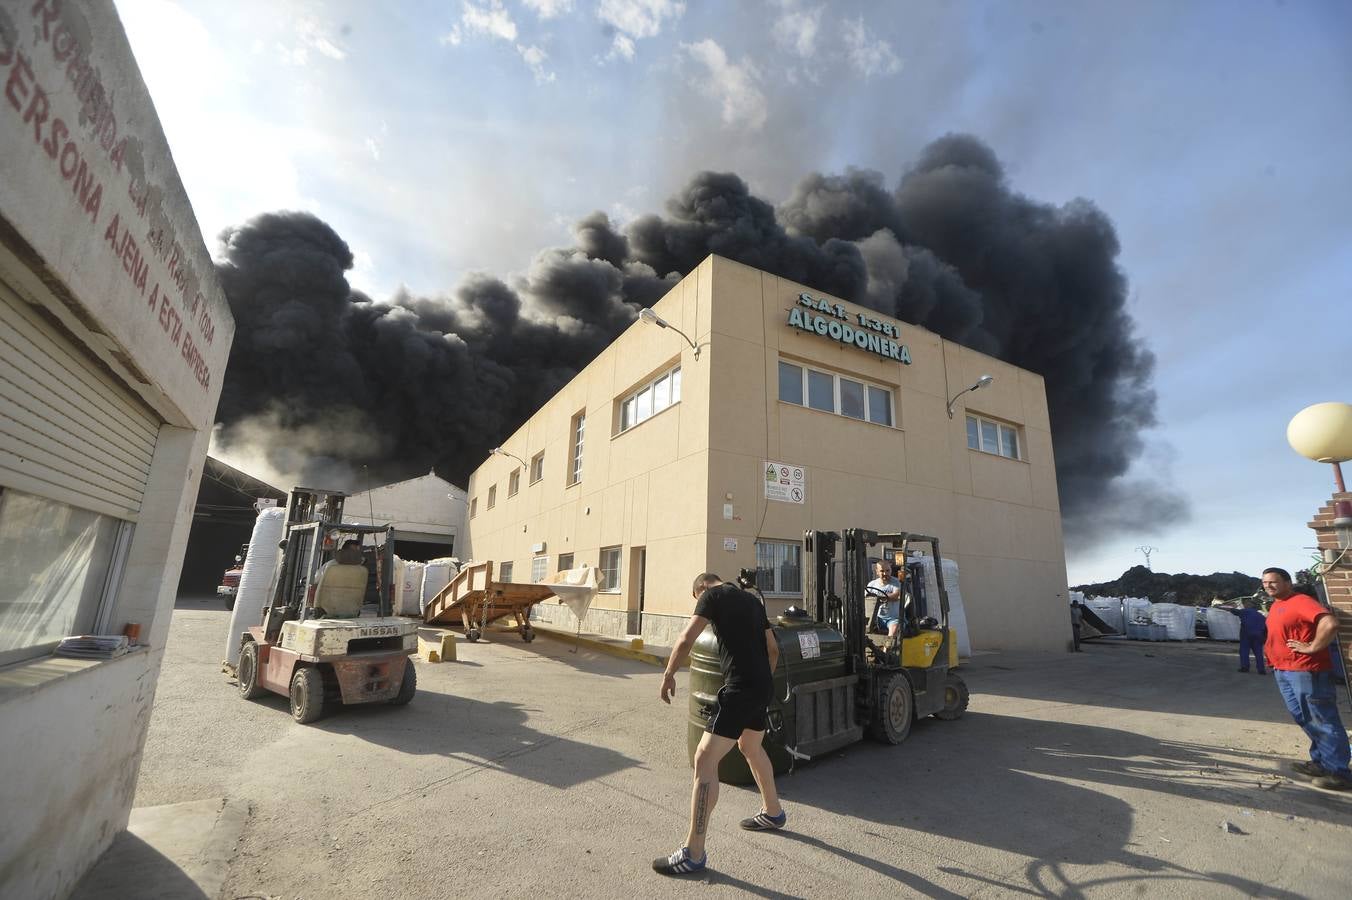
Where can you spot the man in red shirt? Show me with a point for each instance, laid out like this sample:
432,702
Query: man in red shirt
1299,631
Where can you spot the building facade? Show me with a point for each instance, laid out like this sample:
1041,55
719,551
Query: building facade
785,410
114,336
428,513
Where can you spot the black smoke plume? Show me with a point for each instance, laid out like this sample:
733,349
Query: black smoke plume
324,381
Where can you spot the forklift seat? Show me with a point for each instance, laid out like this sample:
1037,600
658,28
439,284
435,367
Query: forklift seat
341,589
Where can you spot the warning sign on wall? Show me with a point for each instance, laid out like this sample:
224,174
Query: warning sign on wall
785,483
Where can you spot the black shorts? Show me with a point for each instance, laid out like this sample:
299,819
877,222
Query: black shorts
738,709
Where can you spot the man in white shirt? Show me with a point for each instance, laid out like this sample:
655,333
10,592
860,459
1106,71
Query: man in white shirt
889,614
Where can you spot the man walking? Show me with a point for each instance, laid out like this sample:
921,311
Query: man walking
748,655
1252,634
1299,631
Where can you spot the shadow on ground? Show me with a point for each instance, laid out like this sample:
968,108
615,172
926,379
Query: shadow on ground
130,858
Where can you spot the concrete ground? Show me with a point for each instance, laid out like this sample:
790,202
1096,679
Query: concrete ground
531,770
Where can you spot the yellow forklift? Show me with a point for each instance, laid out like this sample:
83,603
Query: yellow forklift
839,676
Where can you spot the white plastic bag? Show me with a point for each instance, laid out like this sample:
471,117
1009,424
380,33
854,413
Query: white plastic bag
255,583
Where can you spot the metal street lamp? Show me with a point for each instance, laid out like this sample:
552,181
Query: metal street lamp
498,451
647,315
980,383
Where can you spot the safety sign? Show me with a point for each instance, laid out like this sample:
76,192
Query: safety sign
785,482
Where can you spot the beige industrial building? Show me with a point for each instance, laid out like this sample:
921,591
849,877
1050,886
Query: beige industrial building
114,335
767,408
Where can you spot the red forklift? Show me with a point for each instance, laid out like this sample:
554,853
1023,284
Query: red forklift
315,645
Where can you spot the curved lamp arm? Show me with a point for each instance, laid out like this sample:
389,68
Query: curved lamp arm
980,383
647,315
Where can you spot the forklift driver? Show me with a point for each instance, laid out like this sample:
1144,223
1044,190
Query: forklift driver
340,586
886,584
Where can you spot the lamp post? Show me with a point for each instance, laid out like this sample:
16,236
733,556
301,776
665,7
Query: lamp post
1323,433
647,315
498,451
980,383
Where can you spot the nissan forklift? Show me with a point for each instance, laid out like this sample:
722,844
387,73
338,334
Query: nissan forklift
899,680
316,646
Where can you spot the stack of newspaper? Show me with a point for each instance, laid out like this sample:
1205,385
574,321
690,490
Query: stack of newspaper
93,646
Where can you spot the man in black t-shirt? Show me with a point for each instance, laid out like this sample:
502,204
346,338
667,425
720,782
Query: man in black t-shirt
748,653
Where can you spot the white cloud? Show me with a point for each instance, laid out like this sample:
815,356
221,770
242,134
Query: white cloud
797,30
490,19
734,85
634,19
550,9
309,35
868,55
535,57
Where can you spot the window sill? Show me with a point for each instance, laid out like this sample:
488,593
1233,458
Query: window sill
32,675
999,456
836,415
645,421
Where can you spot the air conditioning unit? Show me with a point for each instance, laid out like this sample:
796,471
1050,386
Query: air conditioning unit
538,548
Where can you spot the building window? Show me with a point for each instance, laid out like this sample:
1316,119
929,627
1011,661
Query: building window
565,562
539,568
610,570
513,482
505,572
779,567
473,507
579,433
58,564
650,399
837,394
492,496
537,467
993,437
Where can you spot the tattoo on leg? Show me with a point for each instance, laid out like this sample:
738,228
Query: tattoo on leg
701,807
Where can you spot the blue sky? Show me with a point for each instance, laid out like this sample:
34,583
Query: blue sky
444,138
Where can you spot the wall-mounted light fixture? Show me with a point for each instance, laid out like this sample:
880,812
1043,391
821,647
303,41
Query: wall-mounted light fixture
652,318
1323,433
498,451
980,383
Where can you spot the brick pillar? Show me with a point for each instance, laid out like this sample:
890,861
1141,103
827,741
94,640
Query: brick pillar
1338,577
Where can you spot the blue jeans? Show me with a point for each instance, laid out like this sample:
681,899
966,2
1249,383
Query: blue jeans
1312,703
1254,643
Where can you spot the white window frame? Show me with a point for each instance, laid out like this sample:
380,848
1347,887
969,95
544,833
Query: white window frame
1002,431
473,507
579,435
610,588
539,568
628,417
492,496
537,467
565,557
776,590
514,482
836,377
505,572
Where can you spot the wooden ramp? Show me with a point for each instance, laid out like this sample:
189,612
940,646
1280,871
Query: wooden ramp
473,599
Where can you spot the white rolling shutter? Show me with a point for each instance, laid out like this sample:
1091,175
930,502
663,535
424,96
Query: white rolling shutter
68,430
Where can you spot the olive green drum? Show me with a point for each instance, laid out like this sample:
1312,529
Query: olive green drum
813,706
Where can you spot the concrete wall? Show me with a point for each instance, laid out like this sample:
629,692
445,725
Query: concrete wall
425,505
100,237
997,518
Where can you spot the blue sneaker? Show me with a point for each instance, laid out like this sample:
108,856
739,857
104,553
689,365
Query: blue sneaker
763,821
680,863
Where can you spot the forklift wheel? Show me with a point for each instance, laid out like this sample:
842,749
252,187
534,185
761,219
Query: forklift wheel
955,698
472,635
307,695
893,709
407,687
247,672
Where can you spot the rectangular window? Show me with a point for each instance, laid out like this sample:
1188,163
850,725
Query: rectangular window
505,572
537,467
993,437
650,399
790,383
56,567
821,391
610,570
565,562
779,568
579,433
851,399
513,482
492,496
879,406
473,507
539,568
